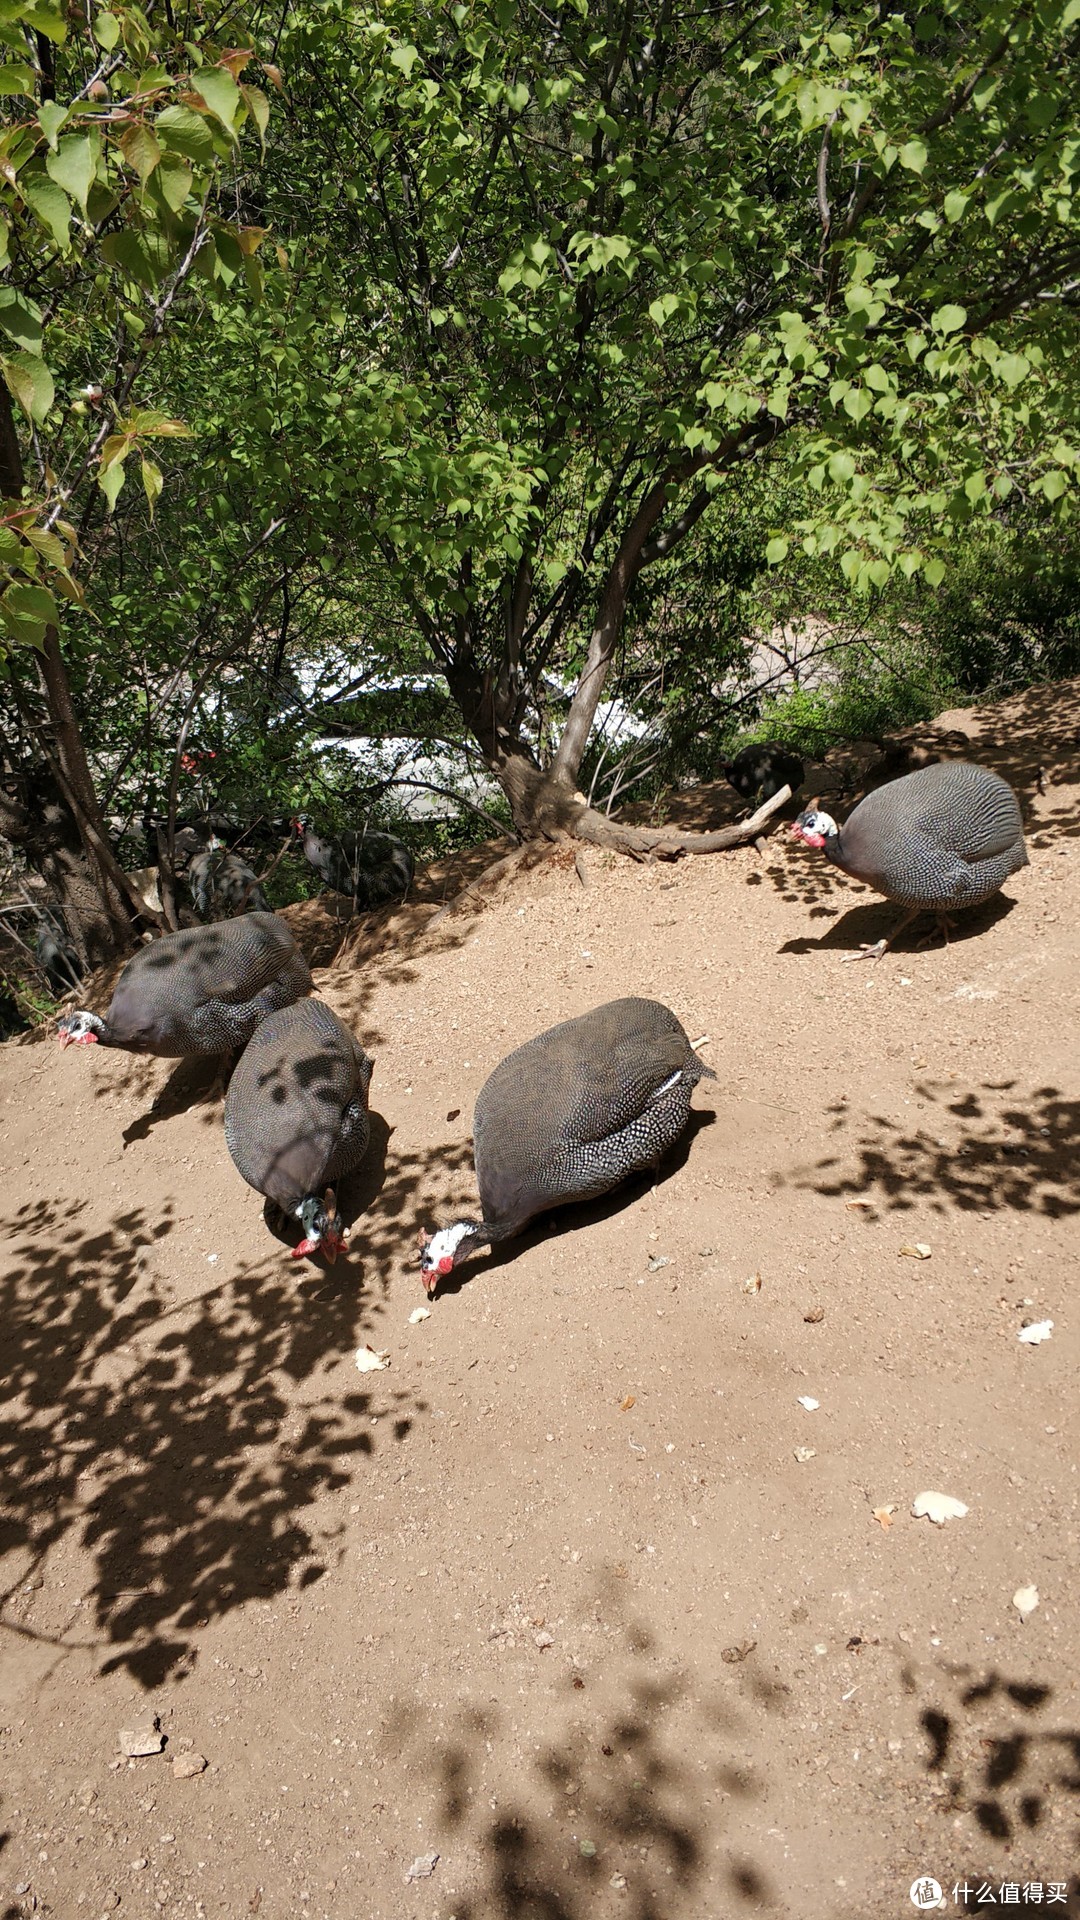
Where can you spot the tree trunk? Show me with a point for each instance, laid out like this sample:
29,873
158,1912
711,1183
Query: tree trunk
97,890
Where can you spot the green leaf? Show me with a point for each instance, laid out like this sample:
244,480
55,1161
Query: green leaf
32,603
842,466
956,205
50,203
1012,368
48,545
258,106
405,59
46,20
15,79
10,548
857,403
140,149
914,156
663,307
221,93
186,132
948,319
106,30
153,480
19,318
31,383
72,167
777,549
934,572
1053,484
51,118
27,633
110,481
173,180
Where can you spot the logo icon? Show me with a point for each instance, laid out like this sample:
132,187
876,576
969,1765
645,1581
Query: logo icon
925,1892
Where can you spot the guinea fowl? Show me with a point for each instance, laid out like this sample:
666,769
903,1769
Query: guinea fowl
570,1115
942,838
369,867
203,990
761,770
296,1117
222,884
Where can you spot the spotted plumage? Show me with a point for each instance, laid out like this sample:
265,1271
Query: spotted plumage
940,839
571,1114
201,991
296,1117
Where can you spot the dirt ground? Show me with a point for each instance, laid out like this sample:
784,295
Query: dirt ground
576,1594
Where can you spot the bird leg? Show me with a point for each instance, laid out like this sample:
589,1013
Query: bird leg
943,922
874,951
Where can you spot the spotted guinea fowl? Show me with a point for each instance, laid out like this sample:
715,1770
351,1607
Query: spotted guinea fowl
569,1115
942,838
203,990
296,1118
370,868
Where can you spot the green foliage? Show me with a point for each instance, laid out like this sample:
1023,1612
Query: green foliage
116,133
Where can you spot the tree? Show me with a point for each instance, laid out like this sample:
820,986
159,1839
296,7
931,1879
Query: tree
554,281
117,138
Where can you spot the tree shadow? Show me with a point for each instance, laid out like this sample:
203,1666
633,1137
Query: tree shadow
177,1444
559,1221
992,1756
1005,1152
609,1816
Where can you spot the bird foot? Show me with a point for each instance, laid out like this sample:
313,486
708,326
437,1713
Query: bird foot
867,951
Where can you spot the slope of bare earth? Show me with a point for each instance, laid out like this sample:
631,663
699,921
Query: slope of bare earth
576,1594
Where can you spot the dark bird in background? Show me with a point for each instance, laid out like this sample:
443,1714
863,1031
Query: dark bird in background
761,770
370,868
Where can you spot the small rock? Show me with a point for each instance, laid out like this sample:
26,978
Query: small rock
587,1848
803,1454
543,1640
753,1285
658,1260
733,1656
21,1887
617,1880
937,1507
140,1863
810,1405
814,1316
187,1765
422,1867
110,1900
146,1738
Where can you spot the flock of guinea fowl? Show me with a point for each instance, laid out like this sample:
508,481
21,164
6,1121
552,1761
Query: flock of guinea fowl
568,1115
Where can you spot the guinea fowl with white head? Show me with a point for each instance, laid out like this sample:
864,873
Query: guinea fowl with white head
568,1116
938,840
201,991
296,1118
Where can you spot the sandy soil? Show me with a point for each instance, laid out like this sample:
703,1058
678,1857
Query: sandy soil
576,1594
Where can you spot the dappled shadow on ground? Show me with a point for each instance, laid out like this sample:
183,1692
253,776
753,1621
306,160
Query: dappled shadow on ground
610,1814
997,1751
178,1444
991,1148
